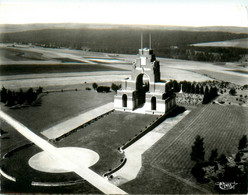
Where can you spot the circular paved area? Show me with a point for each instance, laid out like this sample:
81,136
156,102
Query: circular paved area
44,162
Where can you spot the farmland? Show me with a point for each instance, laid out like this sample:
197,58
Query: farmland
39,69
220,126
241,43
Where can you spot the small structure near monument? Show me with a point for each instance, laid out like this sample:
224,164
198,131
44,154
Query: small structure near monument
144,91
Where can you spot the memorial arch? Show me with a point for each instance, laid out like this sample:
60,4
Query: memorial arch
144,89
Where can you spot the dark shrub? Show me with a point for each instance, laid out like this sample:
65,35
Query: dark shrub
103,89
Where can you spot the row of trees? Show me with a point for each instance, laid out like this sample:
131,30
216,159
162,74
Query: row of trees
219,168
114,87
194,88
12,98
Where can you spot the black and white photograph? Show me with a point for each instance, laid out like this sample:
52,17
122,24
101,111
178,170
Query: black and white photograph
123,97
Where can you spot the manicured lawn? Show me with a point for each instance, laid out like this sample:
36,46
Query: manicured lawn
103,136
221,127
17,166
155,181
57,107
106,135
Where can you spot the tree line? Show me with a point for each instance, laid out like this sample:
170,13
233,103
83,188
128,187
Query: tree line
218,168
13,98
166,43
209,93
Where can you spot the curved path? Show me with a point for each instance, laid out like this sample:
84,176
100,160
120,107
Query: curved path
99,182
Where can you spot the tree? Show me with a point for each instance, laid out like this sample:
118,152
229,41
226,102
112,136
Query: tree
206,98
197,89
198,172
3,95
39,90
202,90
213,156
176,86
188,87
243,143
94,85
206,91
222,159
238,156
197,153
192,90
103,89
21,97
232,91
115,87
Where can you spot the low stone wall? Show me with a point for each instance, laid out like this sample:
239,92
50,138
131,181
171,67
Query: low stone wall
10,153
80,127
54,184
116,169
7,176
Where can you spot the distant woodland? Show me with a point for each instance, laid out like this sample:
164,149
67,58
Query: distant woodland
166,43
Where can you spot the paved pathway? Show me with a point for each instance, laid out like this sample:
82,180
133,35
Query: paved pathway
68,125
99,182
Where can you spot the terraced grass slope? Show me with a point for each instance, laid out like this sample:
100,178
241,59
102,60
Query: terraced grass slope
221,127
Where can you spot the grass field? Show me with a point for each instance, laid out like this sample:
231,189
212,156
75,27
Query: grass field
221,127
17,166
106,135
57,107
19,54
241,79
103,136
154,181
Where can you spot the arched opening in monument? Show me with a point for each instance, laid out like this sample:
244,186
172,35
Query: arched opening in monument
153,103
142,86
124,100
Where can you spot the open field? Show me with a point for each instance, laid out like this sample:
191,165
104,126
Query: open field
241,79
39,69
221,127
239,43
18,55
101,67
57,107
61,80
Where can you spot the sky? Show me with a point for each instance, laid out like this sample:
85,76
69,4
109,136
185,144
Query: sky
151,12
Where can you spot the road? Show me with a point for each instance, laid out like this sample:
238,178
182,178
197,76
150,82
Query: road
99,182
